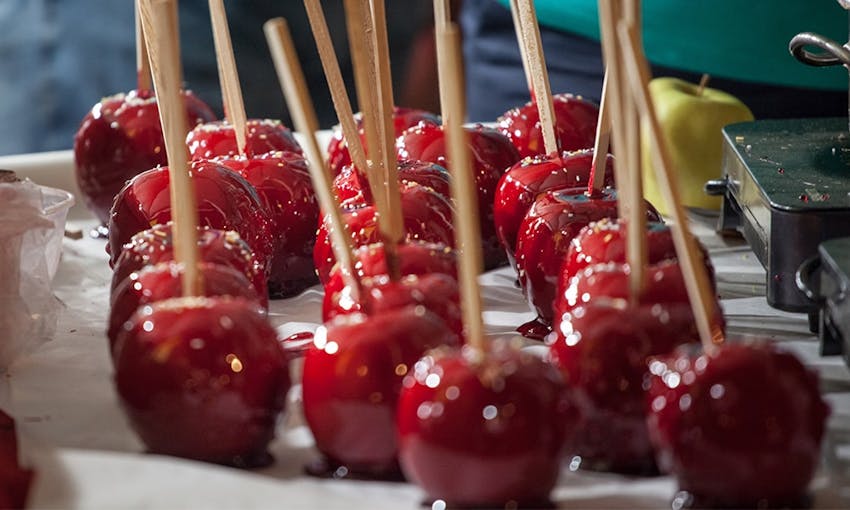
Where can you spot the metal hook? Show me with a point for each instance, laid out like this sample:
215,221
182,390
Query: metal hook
833,53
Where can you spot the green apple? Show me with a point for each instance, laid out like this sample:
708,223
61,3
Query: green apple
691,121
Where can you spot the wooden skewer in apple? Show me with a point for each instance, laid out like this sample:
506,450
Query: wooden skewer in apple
167,79
697,281
231,90
298,101
536,63
143,69
518,29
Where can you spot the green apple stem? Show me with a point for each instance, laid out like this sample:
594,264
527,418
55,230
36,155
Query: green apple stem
300,105
700,294
703,82
467,233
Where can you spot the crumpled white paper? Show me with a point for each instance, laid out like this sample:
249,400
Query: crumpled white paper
28,308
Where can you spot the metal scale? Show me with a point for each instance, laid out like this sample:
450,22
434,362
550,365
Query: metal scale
786,188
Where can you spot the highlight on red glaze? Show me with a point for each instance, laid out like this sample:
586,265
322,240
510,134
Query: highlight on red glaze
403,118
352,378
491,155
483,431
352,187
202,378
120,138
530,177
575,125
155,245
740,428
218,139
164,281
427,217
226,201
283,183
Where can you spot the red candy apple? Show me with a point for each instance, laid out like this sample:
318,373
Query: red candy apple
202,378
526,180
575,125
554,219
352,188
491,155
283,183
437,292
226,201
119,138
427,217
403,118
739,428
154,245
218,139
483,431
352,379
163,281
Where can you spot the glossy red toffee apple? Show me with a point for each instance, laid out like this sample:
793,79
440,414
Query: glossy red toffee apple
530,177
226,201
554,219
154,245
436,292
352,378
352,187
575,125
202,378
740,428
284,186
427,217
119,138
485,431
414,258
602,346
492,154
218,139
403,118
163,281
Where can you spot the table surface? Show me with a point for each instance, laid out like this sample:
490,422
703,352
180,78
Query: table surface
74,434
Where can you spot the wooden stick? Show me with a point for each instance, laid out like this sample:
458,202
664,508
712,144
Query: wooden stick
231,90
696,278
522,51
610,52
300,106
603,141
392,230
358,18
442,17
467,233
339,95
143,68
160,27
539,74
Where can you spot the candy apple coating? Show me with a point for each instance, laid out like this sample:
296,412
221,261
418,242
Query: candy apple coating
352,377
530,177
491,155
738,428
437,292
414,258
427,217
119,138
575,125
164,281
226,201
483,430
553,220
403,118
202,378
602,348
154,245
283,183
352,187
218,139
